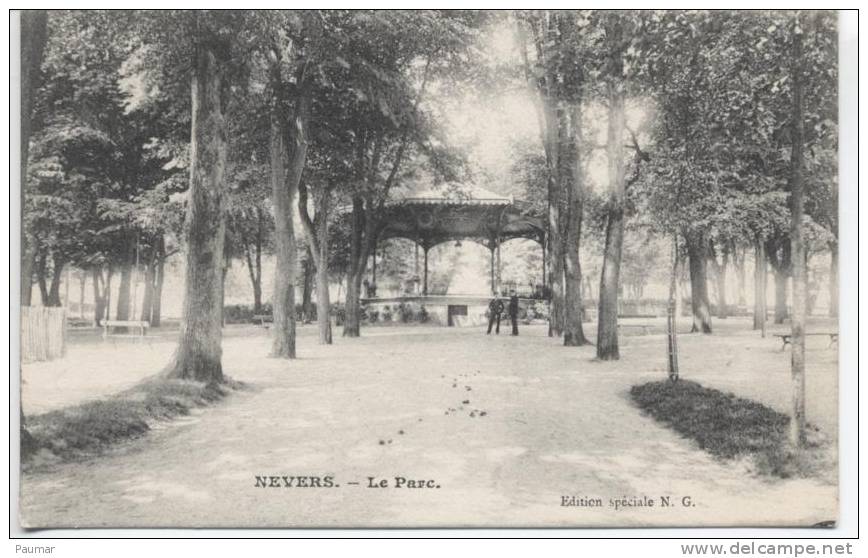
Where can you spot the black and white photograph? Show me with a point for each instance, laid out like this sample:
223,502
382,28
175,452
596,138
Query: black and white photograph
424,269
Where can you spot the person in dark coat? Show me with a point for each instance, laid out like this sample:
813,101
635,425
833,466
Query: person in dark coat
495,309
513,311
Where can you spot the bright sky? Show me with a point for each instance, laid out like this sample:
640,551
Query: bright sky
488,125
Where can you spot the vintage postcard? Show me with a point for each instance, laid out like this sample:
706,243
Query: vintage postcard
428,268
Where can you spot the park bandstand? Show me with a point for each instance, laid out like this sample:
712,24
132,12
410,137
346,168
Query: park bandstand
433,218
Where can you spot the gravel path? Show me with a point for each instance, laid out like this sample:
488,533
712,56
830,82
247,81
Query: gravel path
505,427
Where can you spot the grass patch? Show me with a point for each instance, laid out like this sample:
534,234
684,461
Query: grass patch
728,426
90,428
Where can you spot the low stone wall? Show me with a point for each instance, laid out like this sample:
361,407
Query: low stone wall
434,309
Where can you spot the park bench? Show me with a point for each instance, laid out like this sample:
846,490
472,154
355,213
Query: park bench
646,329
262,319
141,326
786,338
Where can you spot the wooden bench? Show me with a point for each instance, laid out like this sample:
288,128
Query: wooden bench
646,329
141,326
786,338
262,319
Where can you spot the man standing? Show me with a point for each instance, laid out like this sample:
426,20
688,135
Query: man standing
495,309
513,311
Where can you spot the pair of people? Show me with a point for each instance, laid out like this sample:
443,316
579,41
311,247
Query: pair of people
495,309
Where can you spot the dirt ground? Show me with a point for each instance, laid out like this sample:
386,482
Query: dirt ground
504,428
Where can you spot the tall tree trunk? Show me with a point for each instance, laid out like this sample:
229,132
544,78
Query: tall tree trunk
323,315
760,280
283,300
42,277
574,334
800,287
307,287
544,79
811,297
782,280
607,312
257,295
779,255
98,297
107,290
739,256
150,280
697,251
556,269
254,269
287,164
352,306
226,266
364,225
66,284
833,280
31,264
199,350
56,277
253,256
26,269
323,307
34,34
148,296
82,283
317,233
672,314
122,312
720,276
257,287
123,308
157,300
571,171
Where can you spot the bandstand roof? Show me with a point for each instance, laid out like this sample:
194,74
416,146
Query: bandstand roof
472,213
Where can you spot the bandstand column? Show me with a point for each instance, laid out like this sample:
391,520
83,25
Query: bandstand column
498,276
416,276
425,272
493,276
